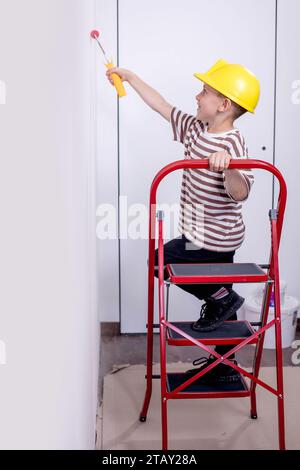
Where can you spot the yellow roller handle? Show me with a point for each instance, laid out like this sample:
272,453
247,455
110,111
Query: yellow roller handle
117,81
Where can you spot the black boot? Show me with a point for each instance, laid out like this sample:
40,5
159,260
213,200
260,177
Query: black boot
222,373
214,312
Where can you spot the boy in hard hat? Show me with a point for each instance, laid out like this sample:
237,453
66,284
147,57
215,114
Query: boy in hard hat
210,221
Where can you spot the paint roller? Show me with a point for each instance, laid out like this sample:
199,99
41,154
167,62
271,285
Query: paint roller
109,64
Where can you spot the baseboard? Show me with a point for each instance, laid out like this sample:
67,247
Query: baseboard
110,329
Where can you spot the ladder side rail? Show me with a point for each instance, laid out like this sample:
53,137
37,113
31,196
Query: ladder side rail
277,315
162,328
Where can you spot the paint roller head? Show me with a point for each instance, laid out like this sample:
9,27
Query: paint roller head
95,34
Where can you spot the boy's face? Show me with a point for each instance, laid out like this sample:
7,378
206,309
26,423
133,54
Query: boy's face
209,101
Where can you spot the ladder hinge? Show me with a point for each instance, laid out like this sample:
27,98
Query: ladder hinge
273,213
160,215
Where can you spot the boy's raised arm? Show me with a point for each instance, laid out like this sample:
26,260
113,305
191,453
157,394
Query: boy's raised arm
151,97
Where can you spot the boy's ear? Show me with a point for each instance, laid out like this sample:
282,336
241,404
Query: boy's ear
226,105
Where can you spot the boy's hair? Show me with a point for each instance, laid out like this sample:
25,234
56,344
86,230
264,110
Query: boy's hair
238,111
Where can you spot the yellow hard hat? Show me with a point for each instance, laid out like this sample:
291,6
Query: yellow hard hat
235,82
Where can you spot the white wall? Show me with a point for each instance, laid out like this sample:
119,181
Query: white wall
48,319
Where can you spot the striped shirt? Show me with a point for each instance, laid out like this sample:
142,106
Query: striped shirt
209,216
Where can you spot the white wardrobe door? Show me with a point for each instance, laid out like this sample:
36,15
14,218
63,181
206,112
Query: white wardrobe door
165,43
287,134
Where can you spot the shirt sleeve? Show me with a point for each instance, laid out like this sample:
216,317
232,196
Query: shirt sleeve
237,148
181,123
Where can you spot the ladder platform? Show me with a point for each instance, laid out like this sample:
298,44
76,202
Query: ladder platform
198,389
210,273
230,332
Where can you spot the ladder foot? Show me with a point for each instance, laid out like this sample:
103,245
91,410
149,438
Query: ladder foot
253,416
143,419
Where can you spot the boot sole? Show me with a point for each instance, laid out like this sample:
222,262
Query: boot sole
228,314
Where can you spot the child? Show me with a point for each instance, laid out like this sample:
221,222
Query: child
210,221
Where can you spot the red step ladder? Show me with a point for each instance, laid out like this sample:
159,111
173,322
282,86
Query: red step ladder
235,333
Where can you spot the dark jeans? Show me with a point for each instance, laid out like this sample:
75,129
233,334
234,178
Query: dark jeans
177,251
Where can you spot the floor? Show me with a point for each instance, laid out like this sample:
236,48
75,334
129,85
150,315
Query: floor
122,388
205,424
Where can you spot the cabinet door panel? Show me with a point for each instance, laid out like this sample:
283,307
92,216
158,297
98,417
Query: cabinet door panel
165,43
287,133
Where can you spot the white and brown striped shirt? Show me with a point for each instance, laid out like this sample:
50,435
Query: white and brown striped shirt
209,216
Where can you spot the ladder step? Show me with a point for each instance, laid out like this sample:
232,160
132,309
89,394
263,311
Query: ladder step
198,389
230,332
195,273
